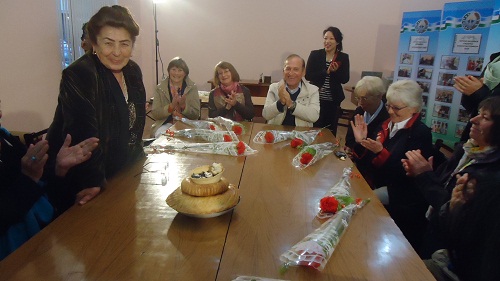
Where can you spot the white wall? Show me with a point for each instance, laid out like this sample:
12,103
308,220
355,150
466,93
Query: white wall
255,36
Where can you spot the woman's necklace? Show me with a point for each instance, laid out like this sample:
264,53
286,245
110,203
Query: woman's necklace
124,87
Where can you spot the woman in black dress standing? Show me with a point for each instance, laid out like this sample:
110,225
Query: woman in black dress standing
328,68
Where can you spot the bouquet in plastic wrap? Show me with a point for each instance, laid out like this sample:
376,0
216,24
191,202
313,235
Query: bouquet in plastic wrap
275,136
223,148
204,134
310,154
229,124
338,197
200,124
316,248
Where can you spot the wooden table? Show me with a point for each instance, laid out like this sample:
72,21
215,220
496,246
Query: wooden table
129,233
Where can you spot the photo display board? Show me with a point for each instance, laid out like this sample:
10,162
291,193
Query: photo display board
435,47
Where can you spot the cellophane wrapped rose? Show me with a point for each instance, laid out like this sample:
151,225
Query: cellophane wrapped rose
310,154
229,124
316,248
275,136
200,124
223,148
338,197
204,134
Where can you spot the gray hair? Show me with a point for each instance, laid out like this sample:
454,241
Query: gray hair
372,85
406,91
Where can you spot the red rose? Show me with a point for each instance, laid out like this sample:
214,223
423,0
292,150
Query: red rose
240,148
269,137
329,204
297,143
306,158
237,129
358,201
227,138
212,127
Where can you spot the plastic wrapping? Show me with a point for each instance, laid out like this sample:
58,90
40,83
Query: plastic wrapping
312,153
229,124
204,134
221,148
275,136
200,124
316,248
341,191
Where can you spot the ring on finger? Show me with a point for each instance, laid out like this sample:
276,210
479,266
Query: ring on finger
33,158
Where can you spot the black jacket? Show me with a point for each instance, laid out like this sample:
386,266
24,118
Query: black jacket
91,104
316,72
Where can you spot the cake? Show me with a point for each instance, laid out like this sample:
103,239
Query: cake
213,194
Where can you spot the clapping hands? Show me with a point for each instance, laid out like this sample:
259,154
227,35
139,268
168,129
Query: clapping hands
33,162
70,156
416,163
231,100
467,85
360,132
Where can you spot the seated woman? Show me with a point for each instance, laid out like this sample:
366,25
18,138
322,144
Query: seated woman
381,157
176,96
24,206
229,99
479,154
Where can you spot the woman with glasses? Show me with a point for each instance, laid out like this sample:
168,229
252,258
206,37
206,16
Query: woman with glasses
403,131
328,69
175,96
229,99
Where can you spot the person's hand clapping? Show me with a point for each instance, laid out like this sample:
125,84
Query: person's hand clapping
467,85
463,191
33,162
70,156
359,128
284,96
416,163
231,100
374,146
334,66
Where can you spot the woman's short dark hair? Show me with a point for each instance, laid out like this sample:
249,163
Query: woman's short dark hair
337,35
179,63
114,16
492,105
225,65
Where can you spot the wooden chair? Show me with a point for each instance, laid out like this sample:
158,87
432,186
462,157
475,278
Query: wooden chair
344,116
442,153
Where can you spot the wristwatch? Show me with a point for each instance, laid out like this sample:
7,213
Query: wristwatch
292,107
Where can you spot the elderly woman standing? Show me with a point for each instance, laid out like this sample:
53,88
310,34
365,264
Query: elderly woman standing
229,99
176,96
403,131
328,69
101,95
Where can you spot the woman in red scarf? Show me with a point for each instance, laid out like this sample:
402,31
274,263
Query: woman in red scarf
229,99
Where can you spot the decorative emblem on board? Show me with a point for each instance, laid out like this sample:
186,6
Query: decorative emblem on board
471,20
421,25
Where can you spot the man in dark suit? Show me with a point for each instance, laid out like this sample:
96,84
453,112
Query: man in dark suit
369,92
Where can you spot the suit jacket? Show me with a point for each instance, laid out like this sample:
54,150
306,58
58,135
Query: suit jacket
316,72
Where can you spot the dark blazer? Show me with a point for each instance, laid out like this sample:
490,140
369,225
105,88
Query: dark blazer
373,128
91,104
316,72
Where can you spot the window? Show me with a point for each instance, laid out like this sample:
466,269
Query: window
74,13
